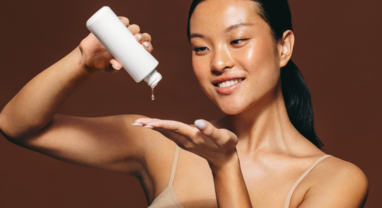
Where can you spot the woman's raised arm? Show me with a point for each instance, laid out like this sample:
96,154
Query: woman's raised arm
30,118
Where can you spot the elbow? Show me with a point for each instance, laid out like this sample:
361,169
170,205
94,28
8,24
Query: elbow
16,131
9,131
2,125
9,136
13,137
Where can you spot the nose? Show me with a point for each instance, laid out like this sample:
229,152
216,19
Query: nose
222,60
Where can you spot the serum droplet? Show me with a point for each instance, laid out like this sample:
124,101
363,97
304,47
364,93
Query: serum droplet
152,94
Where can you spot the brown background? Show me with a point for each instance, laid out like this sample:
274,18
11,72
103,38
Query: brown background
338,50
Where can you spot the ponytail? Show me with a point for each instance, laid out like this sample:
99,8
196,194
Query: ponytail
298,102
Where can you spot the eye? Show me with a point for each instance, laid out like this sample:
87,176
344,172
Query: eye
200,49
238,41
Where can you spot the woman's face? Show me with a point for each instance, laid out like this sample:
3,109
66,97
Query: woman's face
234,55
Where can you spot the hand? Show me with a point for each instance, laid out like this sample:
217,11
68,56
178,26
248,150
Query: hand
217,146
95,57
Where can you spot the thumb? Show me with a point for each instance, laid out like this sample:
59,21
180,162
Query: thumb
115,64
208,129
200,124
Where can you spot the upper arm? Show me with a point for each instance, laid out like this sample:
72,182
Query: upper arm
343,185
107,142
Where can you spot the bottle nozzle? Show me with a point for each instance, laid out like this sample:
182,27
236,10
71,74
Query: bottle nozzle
153,78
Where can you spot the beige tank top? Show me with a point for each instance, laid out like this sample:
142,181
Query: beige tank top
168,198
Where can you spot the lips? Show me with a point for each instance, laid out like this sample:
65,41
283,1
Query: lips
228,83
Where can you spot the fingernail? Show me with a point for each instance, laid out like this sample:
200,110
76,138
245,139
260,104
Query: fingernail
139,36
146,44
116,68
148,126
200,124
137,124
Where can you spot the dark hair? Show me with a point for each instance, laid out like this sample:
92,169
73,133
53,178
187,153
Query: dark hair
295,91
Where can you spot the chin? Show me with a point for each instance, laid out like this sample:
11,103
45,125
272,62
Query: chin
231,108
238,105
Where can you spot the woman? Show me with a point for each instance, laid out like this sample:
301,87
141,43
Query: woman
263,153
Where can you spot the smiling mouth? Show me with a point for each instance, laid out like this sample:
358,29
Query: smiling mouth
228,83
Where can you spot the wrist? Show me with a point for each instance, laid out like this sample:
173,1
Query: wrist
77,58
231,163
70,70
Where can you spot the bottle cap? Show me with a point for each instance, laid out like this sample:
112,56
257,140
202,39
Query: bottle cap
153,78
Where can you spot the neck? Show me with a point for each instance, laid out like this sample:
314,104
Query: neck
264,126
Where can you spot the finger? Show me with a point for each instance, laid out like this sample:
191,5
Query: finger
148,46
221,137
146,37
164,124
134,29
142,121
115,64
139,37
169,129
192,136
175,126
124,20
179,139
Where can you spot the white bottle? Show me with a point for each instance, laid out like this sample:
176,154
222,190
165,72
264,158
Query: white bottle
121,43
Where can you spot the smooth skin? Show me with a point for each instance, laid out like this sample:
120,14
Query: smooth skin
249,158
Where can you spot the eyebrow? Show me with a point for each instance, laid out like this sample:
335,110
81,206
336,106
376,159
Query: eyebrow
229,29
235,26
196,35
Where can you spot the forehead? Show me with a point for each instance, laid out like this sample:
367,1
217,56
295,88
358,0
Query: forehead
220,14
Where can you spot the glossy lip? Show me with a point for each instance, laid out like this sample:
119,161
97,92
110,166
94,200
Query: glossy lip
226,78
230,89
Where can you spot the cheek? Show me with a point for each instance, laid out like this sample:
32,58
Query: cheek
200,65
197,67
260,61
258,56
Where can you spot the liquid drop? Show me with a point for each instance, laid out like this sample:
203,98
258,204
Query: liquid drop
152,94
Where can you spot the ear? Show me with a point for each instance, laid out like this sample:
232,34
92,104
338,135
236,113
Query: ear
285,47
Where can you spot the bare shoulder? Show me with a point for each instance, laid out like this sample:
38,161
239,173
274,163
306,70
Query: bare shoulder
337,183
338,171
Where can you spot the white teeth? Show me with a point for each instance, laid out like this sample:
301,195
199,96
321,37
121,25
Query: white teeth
229,83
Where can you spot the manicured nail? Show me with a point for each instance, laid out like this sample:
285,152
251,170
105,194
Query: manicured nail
200,124
146,44
137,124
148,126
116,68
139,36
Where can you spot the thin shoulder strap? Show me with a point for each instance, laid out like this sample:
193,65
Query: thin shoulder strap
174,165
291,190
